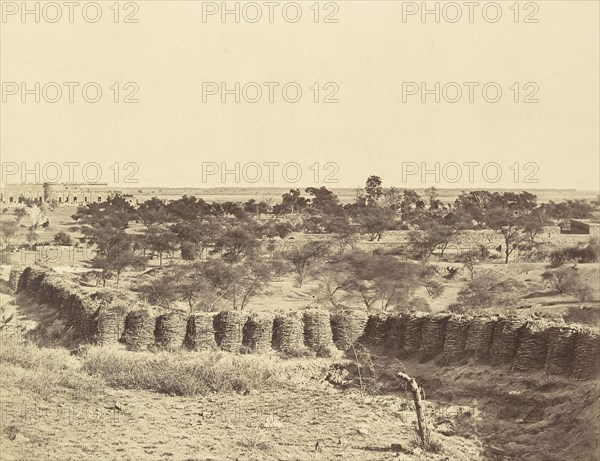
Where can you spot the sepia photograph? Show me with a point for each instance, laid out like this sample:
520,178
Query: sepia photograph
312,230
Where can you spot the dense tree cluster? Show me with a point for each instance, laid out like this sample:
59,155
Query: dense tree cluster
230,250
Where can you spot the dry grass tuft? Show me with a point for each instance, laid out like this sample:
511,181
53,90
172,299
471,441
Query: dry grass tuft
188,374
45,372
257,442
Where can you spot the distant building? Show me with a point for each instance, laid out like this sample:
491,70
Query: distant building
61,193
585,227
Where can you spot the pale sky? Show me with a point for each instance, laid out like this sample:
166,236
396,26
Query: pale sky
367,55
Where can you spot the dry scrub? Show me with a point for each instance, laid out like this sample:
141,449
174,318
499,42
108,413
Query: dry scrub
202,373
50,372
45,372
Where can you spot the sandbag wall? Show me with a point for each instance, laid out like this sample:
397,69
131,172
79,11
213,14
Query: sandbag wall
14,276
106,317
77,309
517,342
97,317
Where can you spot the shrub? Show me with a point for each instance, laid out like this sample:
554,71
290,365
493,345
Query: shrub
45,372
397,251
192,374
189,251
282,229
484,251
419,304
586,315
582,291
568,281
588,253
457,308
170,373
535,252
489,290
63,239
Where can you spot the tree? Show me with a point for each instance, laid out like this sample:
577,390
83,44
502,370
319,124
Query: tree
237,243
345,234
384,280
324,201
8,229
19,213
208,283
474,205
336,282
204,284
218,280
412,206
103,225
435,233
153,212
201,234
118,202
302,257
180,283
249,281
523,201
510,225
189,208
32,235
216,209
375,221
470,260
393,198
161,290
238,283
279,229
160,240
434,204
512,215
188,251
373,190
292,202
112,213
533,224
233,209
114,254
253,207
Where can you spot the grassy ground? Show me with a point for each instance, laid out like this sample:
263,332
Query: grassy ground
60,407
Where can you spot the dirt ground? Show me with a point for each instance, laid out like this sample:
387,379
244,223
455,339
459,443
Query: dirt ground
519,416
477,413
312,424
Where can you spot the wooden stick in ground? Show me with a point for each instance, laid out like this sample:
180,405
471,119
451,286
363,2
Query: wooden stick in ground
422,425
362,393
